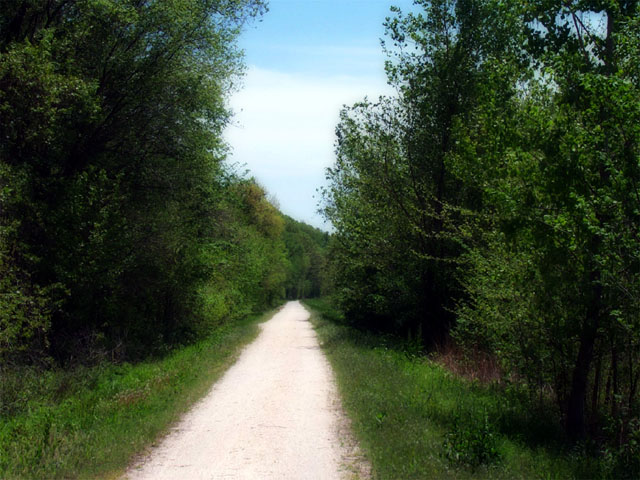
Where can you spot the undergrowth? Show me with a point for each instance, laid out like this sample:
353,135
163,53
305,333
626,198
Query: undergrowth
89,422
415,419
472,443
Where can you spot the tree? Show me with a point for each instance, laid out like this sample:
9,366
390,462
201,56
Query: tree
598,144
306,252
394,199
553,284
111,115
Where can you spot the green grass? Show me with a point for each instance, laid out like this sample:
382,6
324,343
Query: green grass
90,422
416,420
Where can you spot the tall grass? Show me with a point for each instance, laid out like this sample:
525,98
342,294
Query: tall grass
90,422
416,420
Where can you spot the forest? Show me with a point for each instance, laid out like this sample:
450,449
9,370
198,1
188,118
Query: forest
122,229
493,202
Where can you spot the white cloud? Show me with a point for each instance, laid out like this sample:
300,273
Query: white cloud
284,131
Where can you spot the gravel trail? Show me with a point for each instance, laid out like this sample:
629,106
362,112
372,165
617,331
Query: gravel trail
274,414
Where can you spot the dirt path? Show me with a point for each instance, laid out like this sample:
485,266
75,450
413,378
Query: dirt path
274,414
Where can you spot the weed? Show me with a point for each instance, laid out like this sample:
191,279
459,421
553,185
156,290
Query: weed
380,416
471,443
623,462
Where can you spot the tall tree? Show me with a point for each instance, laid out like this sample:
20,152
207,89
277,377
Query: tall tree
394,198
111,115
557,281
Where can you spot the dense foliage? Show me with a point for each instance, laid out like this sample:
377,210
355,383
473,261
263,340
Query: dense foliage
394,196
306,249
416,420
121,227
500,188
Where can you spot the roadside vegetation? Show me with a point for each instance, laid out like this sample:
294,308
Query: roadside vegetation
124,231
492,202
91,421
415,419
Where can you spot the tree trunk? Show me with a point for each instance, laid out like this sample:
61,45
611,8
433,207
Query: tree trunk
616,389
595,397
607,389
578,395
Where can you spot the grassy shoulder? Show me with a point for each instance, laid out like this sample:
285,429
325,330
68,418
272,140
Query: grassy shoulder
91,422
414,419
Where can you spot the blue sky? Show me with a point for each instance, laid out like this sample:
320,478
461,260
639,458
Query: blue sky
305,59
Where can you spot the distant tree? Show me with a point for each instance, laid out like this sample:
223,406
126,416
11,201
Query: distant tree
306,252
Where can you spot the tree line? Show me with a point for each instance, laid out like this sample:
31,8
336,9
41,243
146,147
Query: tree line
122,229
494,199
307,276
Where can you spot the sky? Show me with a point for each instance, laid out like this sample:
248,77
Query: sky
305,60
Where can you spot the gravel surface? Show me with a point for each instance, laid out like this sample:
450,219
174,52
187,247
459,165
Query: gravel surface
274,414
